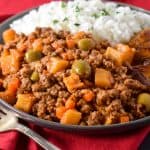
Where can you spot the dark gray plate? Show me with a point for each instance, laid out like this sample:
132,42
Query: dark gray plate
115,128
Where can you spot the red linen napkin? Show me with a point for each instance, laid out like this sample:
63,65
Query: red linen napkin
67,141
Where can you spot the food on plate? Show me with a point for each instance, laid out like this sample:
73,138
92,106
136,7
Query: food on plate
144,98
53,76
107,21
84,63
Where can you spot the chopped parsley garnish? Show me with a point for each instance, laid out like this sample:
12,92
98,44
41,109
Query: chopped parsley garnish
65,19
102,12
63,4
77,24
77,9
117,12
96,15
55,21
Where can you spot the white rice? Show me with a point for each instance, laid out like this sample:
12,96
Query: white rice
104,21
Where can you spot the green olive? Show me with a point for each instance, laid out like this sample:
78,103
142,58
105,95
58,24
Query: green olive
34,76
82,68
85,44
144,98
31,56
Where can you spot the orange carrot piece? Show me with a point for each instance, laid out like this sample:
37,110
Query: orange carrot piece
13,85
88,95
70,43
9,97
37,45
124,119
9,35
70,103
60,111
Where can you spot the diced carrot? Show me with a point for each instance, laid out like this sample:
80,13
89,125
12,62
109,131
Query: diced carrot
9,97
70,43
88,95
70,103
60,111
9,35
124,119
37,45
13,85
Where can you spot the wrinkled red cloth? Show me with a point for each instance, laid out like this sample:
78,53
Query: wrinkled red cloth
67,141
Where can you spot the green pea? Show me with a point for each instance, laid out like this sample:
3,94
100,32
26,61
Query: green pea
31,56
82,68
144,99
34,76
85,44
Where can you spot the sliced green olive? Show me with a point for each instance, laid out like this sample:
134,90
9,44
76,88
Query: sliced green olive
85,44
82,68
31,56
34,76
144,99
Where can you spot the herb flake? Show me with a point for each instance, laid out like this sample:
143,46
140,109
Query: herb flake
77,24
63,4
65,19
55,21
77,9
102,12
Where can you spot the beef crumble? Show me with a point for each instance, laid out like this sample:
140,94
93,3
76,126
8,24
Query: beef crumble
55,81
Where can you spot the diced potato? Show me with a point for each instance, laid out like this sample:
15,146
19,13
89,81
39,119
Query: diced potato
144,99
71,117
25,102
127,53
10,63
56,65
103,78
121,55
9,35
73,82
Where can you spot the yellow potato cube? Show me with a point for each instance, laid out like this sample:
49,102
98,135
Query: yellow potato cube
121,55
56,65
103,78
25,102
71,117
73,82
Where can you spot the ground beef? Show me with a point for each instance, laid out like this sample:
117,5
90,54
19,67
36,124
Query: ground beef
95,118
50,90
134,84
